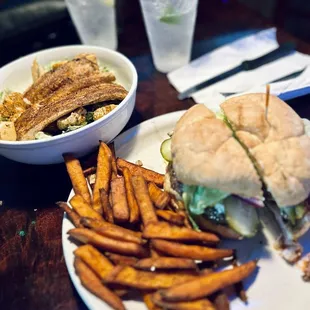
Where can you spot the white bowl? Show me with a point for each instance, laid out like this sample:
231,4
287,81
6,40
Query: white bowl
16,76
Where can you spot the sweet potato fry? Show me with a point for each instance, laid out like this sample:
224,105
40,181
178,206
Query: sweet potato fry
159,197
98,263
171,217
190,251
147,298
118,259
149,175
112,231
119,200
93,223
114,166
95,260
176,205
200,304
186,219
144,280
106,206
220,230
73,216
164,230
108,244
131,199
145,204
239,286
91,282
165,263
103,175
76,175
83,209
206,285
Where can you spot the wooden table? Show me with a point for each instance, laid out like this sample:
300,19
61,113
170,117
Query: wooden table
33,274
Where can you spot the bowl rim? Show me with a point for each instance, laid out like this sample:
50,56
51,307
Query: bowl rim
91,126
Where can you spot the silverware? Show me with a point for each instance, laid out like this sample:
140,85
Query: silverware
283,50
284,78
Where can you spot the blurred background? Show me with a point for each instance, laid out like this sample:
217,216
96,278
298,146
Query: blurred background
27,26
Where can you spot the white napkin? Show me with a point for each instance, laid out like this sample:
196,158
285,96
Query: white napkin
231,55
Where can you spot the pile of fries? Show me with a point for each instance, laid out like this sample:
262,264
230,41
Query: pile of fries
136,238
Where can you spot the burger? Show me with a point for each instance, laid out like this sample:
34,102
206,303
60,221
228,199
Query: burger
242,169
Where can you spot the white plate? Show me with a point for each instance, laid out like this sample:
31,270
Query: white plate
276,285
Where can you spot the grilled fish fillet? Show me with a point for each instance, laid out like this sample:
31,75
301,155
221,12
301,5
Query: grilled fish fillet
38,116
83,82
49,82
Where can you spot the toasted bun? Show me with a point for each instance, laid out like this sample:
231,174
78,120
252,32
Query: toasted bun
248,113
205,153
278,144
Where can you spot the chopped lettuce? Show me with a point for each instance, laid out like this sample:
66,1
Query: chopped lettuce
293,214
300,211
3,94
72,128
102,66
187,196
220,208
288,214
89,117
198,198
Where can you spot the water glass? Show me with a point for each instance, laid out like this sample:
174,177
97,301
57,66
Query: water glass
95,21
170,27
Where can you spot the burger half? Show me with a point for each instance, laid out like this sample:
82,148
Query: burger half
249,165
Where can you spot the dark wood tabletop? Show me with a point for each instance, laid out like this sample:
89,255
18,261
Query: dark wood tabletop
33,273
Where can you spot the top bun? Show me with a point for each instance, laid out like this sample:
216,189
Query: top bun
205,153
277,142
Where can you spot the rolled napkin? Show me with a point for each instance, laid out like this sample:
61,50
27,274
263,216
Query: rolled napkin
231,55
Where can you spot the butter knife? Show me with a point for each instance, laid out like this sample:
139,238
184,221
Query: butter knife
282,51
284,78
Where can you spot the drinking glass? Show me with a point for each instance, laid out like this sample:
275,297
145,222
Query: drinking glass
170,27
95,21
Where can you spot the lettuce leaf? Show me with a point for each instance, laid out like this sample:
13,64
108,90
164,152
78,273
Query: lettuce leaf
3,94
74,127
215,204
198,198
